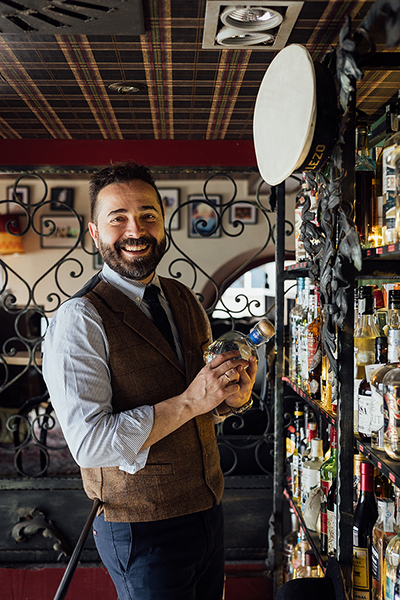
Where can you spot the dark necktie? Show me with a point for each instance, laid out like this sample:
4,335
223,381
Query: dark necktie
159,315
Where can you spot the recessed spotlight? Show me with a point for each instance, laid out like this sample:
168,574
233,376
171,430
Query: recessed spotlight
127,87
230,36
256,18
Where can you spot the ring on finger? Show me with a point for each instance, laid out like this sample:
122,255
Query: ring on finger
228,378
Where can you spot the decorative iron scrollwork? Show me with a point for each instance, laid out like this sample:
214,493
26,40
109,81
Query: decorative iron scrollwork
31,522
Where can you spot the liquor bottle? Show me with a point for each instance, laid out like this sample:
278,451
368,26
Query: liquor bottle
392,561
396,591
314,349
290,442
382,486
327,475
299,553
303,334
331,511
294,319
311,471
364,341
370,413
389,187
384,530
300,252
289,543
364,205
377,404
378,228
311,568
296,458
380,312
391,402
247,345
394,326
365,516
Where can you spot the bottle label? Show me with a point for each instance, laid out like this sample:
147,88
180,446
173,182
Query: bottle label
309,480
364,415
375,563
376,410
389,192
256,337
360,569
389,589
331,526
393,345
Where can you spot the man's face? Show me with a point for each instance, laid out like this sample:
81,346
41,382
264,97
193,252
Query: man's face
129,232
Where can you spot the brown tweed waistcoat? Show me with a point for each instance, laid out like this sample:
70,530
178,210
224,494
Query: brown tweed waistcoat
182,474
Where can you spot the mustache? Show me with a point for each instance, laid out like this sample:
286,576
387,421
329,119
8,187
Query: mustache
144,240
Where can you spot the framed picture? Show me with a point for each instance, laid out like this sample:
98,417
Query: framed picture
171,201
65,231
62,198
203,219
244,212
20,194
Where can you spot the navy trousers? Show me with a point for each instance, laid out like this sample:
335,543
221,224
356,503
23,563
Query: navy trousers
175,559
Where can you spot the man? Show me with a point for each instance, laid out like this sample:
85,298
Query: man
138,411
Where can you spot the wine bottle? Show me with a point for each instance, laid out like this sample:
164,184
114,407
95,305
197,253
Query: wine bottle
327,475
365,516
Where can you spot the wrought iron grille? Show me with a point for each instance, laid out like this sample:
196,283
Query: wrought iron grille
31,442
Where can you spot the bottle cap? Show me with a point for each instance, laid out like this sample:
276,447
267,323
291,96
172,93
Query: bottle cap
266,328
365,291
310,559
316,447
394,299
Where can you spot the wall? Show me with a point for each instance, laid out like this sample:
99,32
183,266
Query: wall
211,255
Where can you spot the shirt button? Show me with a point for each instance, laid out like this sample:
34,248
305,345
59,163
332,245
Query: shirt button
137,299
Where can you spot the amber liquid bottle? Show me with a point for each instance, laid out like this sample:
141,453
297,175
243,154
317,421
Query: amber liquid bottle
314,349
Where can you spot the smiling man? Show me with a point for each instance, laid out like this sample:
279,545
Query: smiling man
137,405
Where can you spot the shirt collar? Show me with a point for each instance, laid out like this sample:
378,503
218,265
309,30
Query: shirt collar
130,287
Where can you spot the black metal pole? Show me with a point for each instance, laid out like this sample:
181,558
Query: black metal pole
73,561
279,386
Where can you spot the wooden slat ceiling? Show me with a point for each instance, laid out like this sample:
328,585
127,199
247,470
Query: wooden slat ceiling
57,86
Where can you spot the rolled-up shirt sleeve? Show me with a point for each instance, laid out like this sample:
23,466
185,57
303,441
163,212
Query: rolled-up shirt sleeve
77,375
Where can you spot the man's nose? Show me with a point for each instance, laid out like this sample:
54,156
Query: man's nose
134,228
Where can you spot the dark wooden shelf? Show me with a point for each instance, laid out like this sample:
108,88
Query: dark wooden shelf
390,468
316,404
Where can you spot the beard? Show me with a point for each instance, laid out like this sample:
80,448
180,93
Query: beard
136,267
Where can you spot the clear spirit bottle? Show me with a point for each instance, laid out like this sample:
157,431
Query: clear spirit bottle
247,345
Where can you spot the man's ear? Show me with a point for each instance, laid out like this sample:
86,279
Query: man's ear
93,233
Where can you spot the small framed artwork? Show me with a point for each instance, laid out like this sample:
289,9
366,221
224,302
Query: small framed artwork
62,231
171,202
17,196
62,198
244,212
203,218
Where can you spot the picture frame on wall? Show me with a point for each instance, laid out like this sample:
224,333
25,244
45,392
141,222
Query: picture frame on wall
171,201
62,198
65,230
203,218
245,212
16,196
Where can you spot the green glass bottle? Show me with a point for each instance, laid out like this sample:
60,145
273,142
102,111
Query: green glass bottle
327,475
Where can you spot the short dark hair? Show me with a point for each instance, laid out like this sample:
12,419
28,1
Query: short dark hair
121,172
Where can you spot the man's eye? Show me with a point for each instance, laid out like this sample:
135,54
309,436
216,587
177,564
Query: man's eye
117,219
149,217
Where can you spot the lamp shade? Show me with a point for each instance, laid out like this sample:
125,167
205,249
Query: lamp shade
10,241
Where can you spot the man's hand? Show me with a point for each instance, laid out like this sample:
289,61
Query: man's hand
218,380
246,383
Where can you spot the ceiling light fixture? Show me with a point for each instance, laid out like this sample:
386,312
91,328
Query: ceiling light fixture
230,36
127,87
254,18
231,25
